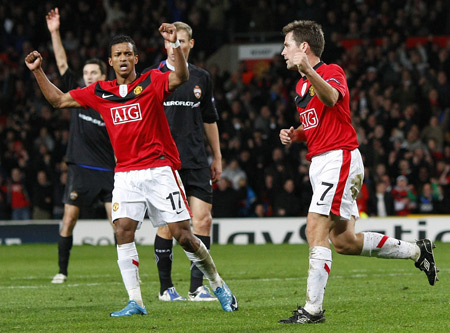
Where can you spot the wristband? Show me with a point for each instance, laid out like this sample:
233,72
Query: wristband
175,45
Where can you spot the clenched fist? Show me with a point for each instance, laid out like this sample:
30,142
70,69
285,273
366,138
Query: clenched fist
33,60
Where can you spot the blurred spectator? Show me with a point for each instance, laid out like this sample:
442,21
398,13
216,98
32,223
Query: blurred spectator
225,199
429,199
234,173
404,197
18,196
247,198
381,203
286,201
41,198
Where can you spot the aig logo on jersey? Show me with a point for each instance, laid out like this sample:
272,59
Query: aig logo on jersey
197,92
309,119
126,113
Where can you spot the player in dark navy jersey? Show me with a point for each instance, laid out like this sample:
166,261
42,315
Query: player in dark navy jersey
146,178
89,154
192,116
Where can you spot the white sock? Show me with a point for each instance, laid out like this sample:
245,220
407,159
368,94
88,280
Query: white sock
319,270
204,262
128,261
381,246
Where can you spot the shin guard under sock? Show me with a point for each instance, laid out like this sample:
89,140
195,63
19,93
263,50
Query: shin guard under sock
319,269
196,274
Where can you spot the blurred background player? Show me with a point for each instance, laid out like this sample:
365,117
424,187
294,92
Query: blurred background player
145,178
192,116
89,155
336,171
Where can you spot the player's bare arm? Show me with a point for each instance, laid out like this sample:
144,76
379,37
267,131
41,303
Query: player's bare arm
287,136
325,92
53,25
181,72
53,95
302,58
212,135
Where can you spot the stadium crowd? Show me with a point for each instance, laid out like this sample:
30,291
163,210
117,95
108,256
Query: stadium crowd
400,99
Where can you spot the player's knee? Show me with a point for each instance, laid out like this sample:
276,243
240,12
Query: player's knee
187,241
202,226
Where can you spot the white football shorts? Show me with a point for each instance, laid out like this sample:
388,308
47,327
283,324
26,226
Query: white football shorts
336,179
158,190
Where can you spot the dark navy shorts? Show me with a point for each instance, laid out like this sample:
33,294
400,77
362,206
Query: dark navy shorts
197,183
86,186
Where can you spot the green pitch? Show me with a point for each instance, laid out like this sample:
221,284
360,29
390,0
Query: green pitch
363,294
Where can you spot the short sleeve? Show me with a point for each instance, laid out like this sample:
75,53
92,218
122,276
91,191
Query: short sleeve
84,96
336,78
160,84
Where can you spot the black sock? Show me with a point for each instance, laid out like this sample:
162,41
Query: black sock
64,247
163,256
196,274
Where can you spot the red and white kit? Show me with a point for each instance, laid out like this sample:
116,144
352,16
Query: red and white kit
336,170
147,156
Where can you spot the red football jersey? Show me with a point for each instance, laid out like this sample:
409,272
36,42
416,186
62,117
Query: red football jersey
135,119
326,128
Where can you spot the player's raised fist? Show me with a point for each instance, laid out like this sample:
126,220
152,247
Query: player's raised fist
33,60
169,32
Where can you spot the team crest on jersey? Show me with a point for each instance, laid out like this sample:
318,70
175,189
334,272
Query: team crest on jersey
115,206
123,90
312,92
137,90
73,195
197,92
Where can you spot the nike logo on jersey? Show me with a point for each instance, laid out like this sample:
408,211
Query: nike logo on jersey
319,204
106,96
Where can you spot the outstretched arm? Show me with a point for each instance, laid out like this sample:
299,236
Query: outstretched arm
212,135
287,136
181,72
53,95
53,24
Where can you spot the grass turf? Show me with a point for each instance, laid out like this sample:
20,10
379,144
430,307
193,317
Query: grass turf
363,294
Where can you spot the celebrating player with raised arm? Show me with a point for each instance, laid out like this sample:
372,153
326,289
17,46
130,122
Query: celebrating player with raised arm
336,171
147,158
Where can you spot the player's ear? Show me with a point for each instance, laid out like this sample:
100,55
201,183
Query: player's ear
110,61
136,59
191,43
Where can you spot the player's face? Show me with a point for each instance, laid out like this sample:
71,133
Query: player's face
123,60
290,48
186,45
92,74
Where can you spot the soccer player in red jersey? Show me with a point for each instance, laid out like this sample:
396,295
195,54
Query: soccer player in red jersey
145,178
336,170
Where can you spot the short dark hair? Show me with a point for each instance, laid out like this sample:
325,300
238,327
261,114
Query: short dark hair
122,39
95,61
307,31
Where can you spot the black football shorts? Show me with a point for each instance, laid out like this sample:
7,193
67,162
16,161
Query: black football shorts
197,183
85,186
